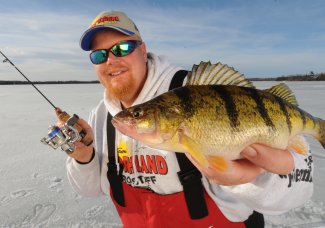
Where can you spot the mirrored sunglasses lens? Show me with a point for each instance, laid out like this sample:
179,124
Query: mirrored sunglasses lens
124,48
98,56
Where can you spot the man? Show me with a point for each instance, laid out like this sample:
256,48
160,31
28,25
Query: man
151,193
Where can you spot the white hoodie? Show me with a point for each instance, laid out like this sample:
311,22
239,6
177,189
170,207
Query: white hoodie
157,170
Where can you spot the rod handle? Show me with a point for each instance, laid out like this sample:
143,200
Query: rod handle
85,138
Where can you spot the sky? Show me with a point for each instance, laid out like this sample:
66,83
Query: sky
259,38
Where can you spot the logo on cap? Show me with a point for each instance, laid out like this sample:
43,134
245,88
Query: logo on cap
105,20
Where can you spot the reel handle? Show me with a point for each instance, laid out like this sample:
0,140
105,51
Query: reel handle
85,138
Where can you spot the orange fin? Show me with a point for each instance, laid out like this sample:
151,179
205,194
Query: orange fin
219,163
195,149
299,145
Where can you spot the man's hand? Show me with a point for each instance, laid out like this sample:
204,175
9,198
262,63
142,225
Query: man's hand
273,160
82,153
257,159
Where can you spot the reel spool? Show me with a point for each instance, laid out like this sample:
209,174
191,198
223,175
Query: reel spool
66,136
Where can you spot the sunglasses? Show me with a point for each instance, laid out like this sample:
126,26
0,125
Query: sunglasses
120,49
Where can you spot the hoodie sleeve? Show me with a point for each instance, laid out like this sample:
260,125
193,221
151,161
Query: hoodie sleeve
276,194
85,178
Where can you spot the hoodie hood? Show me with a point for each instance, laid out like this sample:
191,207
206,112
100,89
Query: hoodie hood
160,73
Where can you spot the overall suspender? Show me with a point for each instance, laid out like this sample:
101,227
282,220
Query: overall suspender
114,177
188,175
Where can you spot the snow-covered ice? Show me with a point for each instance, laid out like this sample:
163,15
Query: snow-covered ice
34,188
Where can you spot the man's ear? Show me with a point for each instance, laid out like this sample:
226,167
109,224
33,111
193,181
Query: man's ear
144,51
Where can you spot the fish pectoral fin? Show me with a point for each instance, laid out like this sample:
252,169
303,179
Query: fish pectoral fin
218,162
195,149
299,144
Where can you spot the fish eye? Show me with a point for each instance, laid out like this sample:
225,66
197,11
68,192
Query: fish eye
137,112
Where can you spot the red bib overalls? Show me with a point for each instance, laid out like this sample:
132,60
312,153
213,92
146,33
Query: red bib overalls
146,209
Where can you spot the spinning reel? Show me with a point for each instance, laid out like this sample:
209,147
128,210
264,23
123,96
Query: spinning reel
66,136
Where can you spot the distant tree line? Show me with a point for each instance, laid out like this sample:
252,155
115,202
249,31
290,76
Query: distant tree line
307,77
298,77
47,82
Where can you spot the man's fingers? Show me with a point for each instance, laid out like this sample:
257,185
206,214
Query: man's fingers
239,172
271,159
258,159
84,125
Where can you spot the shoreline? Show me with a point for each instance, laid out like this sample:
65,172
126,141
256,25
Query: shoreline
318,77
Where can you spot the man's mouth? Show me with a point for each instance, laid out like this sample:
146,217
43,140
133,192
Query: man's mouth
116,73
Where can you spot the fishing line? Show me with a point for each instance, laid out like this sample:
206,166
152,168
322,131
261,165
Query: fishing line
31,83
64,136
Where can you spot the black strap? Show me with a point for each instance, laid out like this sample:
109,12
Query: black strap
177,80
255,220
115,179
189,175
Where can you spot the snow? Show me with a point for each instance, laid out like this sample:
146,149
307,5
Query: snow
35,191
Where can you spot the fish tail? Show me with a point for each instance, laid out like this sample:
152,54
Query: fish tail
321,137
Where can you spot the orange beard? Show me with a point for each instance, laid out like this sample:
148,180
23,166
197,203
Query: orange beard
121,92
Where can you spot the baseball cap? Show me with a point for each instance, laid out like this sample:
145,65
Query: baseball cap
109,19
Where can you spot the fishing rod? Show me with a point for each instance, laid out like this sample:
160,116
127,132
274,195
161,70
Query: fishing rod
63,137
31,83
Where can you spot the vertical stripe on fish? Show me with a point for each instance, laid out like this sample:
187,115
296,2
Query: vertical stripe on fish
261,107
230,105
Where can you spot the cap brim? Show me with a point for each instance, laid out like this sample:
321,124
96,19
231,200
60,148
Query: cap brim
87,37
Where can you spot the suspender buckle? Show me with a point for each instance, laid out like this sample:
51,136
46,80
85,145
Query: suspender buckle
192,176
194,193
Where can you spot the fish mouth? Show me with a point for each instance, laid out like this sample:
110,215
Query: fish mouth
123,126
119,126
115,122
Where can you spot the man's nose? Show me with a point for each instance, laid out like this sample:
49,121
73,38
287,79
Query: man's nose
111,59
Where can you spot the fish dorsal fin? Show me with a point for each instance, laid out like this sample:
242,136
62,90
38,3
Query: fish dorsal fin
283,91
216,74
